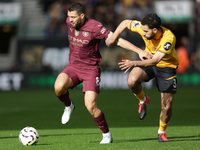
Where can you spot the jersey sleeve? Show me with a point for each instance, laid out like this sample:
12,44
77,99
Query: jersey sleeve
167,44
100,32
135,26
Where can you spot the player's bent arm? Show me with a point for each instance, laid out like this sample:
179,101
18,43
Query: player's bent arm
128,64
129,46
150,62
122,26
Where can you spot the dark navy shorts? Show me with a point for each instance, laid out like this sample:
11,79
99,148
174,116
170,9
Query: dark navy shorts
166,79
90,78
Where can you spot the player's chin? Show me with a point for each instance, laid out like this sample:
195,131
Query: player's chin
73,25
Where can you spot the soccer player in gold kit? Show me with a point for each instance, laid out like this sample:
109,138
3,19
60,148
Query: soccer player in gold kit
160,42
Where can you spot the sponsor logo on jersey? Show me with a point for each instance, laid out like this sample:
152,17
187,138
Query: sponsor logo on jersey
76,33
85,33
135,24
167,46
97,81
154,48
103,30
78,40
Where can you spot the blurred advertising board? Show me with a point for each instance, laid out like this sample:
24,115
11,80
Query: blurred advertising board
40,80
10,13
174,11
109,80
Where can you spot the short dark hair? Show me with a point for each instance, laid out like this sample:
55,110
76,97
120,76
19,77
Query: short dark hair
77,7
152,20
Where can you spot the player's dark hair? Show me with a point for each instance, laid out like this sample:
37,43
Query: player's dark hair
77,7
152,20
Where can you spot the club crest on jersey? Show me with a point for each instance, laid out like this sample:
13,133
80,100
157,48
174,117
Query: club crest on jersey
85,33
76,32
167,46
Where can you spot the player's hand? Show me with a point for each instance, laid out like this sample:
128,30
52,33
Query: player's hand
110,42
126,64
144,55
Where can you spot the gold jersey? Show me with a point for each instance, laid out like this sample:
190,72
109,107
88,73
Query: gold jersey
165,44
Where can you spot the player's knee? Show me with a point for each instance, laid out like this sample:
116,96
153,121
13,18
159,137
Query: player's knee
132,81
90,108
58,89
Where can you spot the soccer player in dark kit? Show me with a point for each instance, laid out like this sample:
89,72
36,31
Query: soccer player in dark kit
84,36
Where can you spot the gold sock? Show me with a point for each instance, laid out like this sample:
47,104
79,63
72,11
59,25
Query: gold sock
140,95
163,126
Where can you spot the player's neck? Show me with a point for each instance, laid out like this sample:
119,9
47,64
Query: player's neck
158,34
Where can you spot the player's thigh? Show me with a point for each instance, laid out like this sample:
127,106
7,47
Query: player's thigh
91,81
137,75
63,81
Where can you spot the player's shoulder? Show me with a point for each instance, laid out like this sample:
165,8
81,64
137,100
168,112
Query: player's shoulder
168,33
91,24
93,21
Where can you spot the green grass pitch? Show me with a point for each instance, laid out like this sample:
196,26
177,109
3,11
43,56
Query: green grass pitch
42,110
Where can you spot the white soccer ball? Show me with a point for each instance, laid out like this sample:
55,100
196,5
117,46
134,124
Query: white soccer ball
28,136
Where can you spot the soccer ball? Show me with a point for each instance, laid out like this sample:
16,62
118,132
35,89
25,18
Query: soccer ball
28,136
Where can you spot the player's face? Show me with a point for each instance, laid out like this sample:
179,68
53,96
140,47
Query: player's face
147,33
75,19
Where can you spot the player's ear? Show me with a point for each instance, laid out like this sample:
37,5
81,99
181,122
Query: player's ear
82,16
155,30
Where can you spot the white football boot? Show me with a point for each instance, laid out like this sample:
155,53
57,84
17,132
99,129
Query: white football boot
107,138
67,113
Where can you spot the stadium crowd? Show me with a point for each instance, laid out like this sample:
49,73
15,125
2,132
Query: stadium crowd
109,13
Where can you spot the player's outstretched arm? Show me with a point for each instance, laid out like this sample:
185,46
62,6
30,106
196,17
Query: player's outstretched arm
129,46
113,38
122,26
